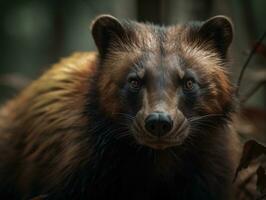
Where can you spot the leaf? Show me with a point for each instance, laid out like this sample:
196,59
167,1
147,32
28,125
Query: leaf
261,49
261,181
251,151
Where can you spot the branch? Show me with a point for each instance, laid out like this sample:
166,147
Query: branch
251,92
15,81
256,46
259,76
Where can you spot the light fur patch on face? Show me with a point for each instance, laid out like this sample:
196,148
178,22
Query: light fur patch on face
146,38
210,67
205,58
173,63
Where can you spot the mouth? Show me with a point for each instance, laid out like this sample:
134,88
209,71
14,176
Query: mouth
174,138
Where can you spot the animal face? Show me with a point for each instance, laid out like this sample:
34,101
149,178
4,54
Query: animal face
167,81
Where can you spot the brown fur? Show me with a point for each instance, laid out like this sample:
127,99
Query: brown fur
38,125
45,133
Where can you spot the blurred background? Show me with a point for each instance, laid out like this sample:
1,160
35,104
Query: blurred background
36,34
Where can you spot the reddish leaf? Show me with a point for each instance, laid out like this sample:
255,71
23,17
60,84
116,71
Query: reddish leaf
261,181
251,151
261,49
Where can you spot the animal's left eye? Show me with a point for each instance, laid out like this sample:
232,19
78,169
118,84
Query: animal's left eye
134,83
188,84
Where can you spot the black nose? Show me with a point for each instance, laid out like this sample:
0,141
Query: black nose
158,123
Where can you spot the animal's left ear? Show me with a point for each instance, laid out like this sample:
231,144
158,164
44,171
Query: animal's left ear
219,31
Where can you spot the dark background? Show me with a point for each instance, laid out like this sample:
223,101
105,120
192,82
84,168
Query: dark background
36,34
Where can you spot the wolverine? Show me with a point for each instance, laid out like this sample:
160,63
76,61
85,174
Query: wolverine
147,116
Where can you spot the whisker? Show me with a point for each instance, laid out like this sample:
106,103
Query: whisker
173,154
192,119
127,116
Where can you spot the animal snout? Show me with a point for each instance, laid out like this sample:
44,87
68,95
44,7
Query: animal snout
158,123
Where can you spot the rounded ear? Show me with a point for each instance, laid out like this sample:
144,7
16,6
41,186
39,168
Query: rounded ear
106,29
219,31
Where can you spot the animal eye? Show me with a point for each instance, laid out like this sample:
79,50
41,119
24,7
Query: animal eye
134,83
189,84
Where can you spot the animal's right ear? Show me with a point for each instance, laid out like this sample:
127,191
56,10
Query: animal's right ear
107,31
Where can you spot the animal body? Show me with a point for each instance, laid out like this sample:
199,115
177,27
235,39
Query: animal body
147,117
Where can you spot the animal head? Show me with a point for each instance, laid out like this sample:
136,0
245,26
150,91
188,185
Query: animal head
167,83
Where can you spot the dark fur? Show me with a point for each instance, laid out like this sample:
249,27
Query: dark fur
84,155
